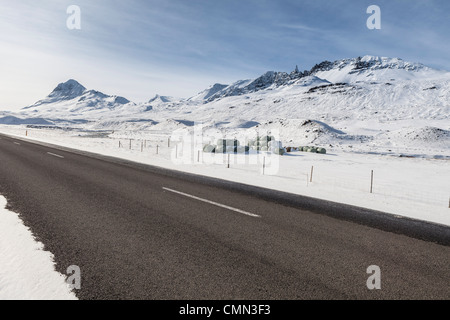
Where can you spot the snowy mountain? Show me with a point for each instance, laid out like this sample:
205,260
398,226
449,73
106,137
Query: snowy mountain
363,88
162,99
356,70
360,98
64,91
269,80
370,69
360,83
207,93
71,98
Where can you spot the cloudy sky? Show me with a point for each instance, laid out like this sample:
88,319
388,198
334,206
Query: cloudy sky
138,48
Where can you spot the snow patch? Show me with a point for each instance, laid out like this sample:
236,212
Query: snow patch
27,272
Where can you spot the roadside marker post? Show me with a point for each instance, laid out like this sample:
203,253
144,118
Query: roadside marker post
371,182
264,165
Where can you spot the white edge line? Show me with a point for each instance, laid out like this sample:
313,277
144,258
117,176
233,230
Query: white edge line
17,143
214,203
55,155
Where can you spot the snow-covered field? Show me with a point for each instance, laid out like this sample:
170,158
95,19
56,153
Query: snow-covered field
416,187
27,271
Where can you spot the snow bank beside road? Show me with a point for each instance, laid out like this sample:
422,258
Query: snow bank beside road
26,271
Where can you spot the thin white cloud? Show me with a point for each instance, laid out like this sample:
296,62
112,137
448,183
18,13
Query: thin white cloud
300,27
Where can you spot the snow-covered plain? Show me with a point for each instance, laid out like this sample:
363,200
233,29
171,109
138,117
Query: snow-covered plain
416,187
27,272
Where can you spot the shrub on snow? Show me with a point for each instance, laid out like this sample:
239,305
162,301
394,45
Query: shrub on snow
209,148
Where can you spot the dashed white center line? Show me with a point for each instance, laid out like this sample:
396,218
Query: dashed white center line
213,203
55,155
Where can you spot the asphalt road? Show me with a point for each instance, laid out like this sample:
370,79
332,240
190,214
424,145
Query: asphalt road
141,232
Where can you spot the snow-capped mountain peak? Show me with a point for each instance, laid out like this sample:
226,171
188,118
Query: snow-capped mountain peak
207,93
163,99
68,90
367,63
371,69
375,62
72,98
65,91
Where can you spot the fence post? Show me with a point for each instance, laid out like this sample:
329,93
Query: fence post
371,182
264,166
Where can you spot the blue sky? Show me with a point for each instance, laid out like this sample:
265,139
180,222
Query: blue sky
140,48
